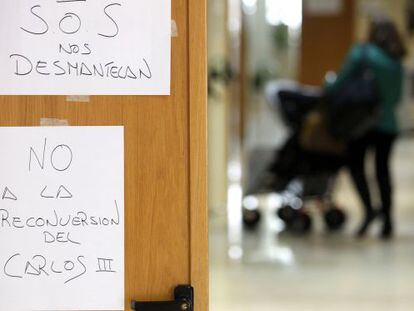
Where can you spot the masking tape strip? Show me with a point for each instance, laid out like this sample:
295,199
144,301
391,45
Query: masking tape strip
174,29
53,122
78,98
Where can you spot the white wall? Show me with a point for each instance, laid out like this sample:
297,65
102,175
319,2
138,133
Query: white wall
217,106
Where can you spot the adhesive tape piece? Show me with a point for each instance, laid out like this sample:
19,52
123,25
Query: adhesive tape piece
53,122
78,98
174,29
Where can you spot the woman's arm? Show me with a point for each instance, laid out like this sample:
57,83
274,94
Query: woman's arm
352,61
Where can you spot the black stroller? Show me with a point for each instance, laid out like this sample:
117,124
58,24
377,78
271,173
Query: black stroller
296,174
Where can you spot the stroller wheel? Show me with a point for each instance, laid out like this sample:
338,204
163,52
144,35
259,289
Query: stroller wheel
301,224
335,219
287,214
251,218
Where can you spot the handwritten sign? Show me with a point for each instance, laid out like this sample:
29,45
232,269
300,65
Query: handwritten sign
62,218
87,47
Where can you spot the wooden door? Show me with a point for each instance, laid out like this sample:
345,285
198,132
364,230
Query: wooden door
165,164
325,42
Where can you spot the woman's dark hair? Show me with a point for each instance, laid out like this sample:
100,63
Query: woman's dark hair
384,34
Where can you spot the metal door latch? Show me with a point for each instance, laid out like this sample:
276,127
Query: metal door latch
184,301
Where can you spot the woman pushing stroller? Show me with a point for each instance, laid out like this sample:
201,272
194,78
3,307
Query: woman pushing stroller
383,53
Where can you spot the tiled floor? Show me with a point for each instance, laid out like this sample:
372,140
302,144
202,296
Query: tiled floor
320,272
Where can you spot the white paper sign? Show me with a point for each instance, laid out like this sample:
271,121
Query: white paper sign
85,47
62,218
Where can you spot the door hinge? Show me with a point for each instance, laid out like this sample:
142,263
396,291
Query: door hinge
183,301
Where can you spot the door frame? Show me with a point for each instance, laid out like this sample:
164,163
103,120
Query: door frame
197,45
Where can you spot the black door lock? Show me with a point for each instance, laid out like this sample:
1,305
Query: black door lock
184,301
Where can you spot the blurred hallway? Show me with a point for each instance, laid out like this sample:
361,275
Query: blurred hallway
252,43
319,271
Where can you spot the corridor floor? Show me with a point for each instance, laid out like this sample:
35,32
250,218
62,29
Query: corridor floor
268,270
